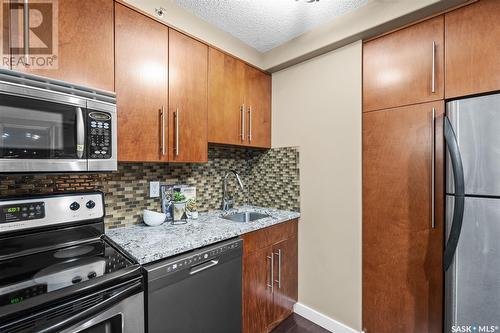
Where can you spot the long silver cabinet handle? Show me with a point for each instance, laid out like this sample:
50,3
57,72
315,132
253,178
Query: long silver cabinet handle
26,32
271,285
177,116
163,148
249,124
279,269
433,169
242,111
433,83
80,133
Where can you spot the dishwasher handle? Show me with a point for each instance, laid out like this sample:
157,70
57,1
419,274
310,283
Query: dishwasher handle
201,267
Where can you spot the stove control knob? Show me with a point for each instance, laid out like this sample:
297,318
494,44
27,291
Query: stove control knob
74,206
76,279
90,204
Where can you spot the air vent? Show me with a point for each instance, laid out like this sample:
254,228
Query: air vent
34,81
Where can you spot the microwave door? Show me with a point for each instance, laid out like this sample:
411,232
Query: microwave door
38,135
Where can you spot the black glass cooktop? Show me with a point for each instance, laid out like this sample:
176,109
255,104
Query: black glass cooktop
40,273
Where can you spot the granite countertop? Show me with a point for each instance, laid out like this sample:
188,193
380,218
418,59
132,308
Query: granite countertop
148,244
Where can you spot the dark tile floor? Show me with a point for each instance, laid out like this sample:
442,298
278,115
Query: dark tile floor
298,324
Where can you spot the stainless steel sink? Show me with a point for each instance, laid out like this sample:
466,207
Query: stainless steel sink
245,216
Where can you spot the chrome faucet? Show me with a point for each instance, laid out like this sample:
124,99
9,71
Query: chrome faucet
227,203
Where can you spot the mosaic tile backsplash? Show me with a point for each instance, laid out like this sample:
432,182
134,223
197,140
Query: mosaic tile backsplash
271,179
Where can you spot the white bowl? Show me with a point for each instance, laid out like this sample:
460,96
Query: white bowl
153,219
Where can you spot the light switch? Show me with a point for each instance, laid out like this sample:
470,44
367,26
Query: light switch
154,189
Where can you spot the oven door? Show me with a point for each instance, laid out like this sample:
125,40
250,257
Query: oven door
125,317
116,309
41,133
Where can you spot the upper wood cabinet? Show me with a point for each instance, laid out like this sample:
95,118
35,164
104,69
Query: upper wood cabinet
141,86
402,240
226,78
258,105
404,67
472,37
85,52
188,98
4,42
269,276
239,102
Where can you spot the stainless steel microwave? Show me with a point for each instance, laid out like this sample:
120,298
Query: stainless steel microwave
53,126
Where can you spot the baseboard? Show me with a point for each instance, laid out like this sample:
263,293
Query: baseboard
322,320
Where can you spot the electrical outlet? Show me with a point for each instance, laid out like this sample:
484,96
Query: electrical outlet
154,189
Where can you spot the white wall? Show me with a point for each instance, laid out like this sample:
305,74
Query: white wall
317,106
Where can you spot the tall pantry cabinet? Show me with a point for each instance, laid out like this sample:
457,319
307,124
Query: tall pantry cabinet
407,75
403,108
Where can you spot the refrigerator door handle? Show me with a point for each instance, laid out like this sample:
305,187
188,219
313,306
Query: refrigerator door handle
458,208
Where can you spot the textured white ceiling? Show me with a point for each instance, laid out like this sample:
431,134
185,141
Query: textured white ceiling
265,24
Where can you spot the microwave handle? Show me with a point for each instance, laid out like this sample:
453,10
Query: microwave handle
80,133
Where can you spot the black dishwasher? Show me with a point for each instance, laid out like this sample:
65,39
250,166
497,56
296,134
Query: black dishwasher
197,292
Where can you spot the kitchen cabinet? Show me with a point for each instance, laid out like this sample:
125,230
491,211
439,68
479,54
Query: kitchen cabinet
226,76
4,55
404,67
85,39
269,276
141,86
472,35
239,102
403,219
286,281
258,105
188,99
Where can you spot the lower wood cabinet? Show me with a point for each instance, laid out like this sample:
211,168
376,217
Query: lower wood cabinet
402,227
269,276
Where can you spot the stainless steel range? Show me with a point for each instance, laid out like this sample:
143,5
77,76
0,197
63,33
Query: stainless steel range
60,273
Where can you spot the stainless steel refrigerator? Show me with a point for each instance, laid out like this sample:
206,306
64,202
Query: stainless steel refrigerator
472,253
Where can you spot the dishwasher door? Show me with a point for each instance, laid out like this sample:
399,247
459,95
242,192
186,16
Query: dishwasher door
199,292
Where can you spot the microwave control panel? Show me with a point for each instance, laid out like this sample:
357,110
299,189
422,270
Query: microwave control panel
99,135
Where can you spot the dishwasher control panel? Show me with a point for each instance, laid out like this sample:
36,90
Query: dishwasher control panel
197,257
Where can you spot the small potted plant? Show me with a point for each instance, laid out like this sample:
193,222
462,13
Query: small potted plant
179,200
191,209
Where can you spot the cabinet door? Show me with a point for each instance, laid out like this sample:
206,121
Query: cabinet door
188,96
257,293
141,86
226,77
398,68
258,105
285,279
472,35
85,43
402,246
4,41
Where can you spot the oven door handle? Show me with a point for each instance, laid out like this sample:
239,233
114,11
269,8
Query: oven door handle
84,315
80,133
